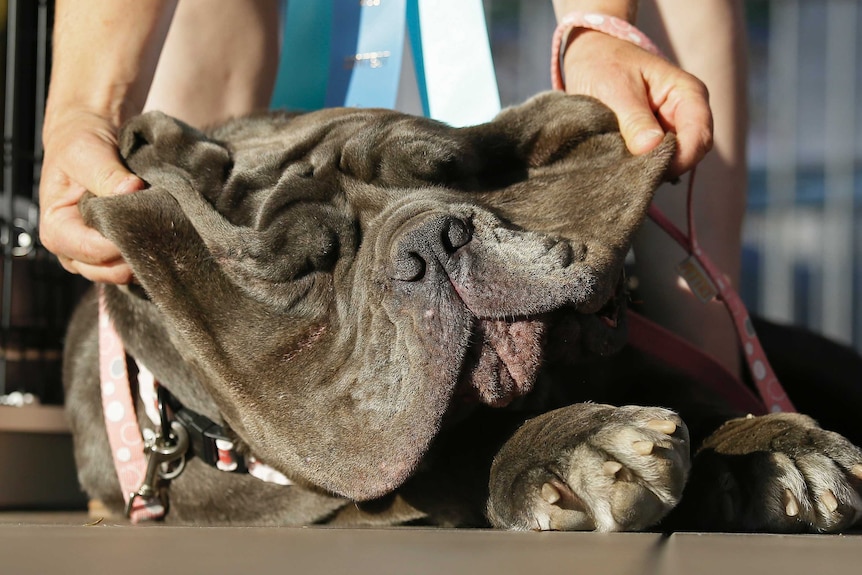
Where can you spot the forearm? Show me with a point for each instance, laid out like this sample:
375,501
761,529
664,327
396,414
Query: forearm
105,54
625,9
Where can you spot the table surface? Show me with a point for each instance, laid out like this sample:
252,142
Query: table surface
48,543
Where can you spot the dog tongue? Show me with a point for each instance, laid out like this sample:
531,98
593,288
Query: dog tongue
508,360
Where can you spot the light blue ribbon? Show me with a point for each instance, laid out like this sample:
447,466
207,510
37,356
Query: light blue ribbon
362,44
366,52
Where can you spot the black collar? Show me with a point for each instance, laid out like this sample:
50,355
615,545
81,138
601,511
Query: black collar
208,441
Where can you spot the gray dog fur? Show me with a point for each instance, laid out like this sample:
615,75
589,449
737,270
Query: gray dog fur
378,305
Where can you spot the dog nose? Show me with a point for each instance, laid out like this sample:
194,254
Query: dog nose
433,239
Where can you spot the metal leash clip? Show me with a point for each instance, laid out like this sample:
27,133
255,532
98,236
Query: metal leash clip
165,459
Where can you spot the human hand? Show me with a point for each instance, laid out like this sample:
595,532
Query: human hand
649,95
81,154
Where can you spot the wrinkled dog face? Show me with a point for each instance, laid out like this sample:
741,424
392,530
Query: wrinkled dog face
337,278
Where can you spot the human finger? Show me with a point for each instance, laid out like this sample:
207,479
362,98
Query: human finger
688,115
63,232
117,272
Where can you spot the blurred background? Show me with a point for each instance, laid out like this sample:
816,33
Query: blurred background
803,241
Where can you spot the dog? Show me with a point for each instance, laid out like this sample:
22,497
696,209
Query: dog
415,324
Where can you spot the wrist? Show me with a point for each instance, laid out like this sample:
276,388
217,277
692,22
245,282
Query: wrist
107,107
114,102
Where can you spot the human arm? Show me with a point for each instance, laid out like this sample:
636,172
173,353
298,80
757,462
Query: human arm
104,57
649,94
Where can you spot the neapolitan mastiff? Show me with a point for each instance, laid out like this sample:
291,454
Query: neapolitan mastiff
416,324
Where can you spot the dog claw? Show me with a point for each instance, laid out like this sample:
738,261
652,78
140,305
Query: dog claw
550,493
828,499
643,447
791,505
662,425
611,468
856,470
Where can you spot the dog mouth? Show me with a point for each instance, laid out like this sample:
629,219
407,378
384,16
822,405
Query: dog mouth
506,355
503,360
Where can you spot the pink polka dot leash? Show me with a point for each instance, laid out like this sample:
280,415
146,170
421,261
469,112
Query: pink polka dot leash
124,434
703,276
707,282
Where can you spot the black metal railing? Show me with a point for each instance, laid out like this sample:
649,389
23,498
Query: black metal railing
36,295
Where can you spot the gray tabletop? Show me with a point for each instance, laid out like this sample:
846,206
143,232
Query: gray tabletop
45,544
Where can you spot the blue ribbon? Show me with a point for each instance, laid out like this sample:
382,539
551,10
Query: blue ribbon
366,53
350,52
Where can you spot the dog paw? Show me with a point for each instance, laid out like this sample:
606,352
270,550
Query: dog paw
590,467
779,472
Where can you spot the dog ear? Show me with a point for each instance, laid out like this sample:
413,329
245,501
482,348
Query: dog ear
558,164
175,239
267,371
154,143
194,171
150,228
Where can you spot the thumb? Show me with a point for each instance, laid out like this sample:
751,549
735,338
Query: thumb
103,174
640,130
114,179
